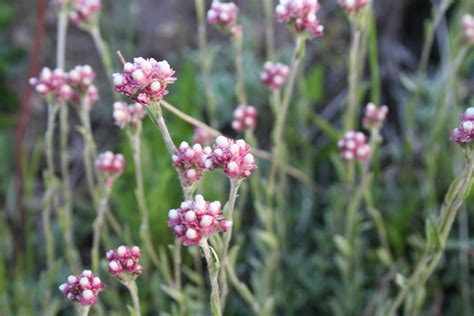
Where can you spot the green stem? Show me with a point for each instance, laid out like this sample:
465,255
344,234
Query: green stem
104,53
213,268
268,9
353,79
132,288
240,86
98,225
243,289
83,310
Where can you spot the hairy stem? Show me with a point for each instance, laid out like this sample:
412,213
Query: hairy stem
98,225
213,268
84,310
268,9
132,288
353,78
104,53
239,69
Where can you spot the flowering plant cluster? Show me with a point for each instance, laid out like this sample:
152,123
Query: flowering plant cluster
301,15
144,80
374,116
234,157
128,115
111,165
354,146
123,263
84,11
193,161
222,14
81,79
354,5
468,27
53,84
464,133
197,219
84,288
244,118
274,75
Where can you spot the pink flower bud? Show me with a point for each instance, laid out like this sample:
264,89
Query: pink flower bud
464,133
468,27
84,288
374,116
354,146
301,15
234,157
84,11
123,263
222,14
354,5
245,117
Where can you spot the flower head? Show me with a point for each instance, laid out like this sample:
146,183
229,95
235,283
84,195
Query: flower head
123,263
468,27
128,115
234,157
81,79
301,15
192,161
464,133
144,80
196,220
111,165
222,14
244,117
53,84
274,75
85,11
353,5
354,146
83,288
374,116
201,136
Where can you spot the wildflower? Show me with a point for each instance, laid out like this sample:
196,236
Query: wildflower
234,157
111,165
85,11
196,220
123,263
222,14
81,79
274,75
354,146
84,288
468,27
201,136
192,161
245,117
128,114
53,84
374,116
144,80
353,5
301,15
464,133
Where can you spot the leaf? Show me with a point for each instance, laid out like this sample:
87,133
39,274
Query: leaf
268,239
433,235
178,296
343,245
401,281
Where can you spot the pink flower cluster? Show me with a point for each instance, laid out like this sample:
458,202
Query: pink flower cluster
144,80
468,26
84,11
81,79
374,116
234,157
123,262
53,83
222,14
353,5
111,165
464,133
192,161
274,75
301,14
354,146
244,117
84,288
128,115
196,220
201,136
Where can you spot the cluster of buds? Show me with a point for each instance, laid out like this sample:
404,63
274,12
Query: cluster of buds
234,157
123,263
128,115
81,79
53,84
85,11
354,146
464,133
201,136
300,14
353,5
374,116
84,288
144,80
274,75
192,161
196,220
111,165
222,14
468,27
244,118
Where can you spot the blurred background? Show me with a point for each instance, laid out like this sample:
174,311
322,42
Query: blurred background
404,186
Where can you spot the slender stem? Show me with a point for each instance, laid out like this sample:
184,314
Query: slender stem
213,268
268,9
464,262
239,69
206,59
177,263
83,310
242,288
229,214
98,225
132,288
104,53
428,263
61,40
283,111
353,78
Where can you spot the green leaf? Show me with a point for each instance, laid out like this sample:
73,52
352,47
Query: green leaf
401,281
343,245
